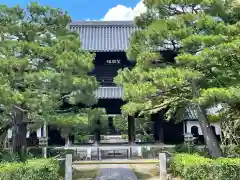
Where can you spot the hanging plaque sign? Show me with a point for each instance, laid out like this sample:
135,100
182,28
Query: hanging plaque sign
113,61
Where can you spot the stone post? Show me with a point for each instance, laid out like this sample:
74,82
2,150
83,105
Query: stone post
129,152
68,167
139,151
45,136
99,153
89,153
163,166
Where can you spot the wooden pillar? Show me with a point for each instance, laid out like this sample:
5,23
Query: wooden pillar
110,125
131,130
97,135
158,127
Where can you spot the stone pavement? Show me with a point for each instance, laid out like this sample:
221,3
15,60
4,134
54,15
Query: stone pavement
116,172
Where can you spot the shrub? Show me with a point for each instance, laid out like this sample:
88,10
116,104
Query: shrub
52,152
232,150
145,138
152,152
183,148
8,156
35,152
195,167
82,138
156,150
40,169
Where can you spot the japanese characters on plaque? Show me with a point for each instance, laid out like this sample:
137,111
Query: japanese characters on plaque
113,61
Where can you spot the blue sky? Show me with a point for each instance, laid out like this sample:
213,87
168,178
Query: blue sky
86,9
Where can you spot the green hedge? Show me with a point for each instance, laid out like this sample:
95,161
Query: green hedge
38,169
36,152
195,167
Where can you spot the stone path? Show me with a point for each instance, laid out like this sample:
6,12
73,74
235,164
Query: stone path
116,172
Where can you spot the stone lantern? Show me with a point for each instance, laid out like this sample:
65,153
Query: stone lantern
188,138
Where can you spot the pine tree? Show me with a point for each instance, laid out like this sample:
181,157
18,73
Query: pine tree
41,64
205,37
86,120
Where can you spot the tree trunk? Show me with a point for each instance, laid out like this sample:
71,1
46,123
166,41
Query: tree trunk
3,140
158,123
97,137
67,141
19,133
65,134
131,130
209,136
97,133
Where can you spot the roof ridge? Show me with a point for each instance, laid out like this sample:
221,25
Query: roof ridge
102,23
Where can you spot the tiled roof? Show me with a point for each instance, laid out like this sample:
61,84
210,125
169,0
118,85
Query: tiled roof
104,36
109,92
191,114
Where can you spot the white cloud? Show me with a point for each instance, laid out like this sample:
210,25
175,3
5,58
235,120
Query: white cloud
123,13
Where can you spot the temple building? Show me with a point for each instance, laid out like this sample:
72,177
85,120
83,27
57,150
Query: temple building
109,41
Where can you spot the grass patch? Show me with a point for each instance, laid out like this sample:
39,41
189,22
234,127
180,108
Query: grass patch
142,176
85,174
145,171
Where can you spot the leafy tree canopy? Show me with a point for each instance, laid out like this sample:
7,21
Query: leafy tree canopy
205,36
41,62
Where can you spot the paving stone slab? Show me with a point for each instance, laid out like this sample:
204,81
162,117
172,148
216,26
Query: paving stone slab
116,172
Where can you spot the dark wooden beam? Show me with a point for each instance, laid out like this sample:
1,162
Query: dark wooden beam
158,127
97,134
131,130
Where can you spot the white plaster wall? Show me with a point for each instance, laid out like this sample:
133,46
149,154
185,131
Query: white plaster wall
9,133
190,124
217,128
39,133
